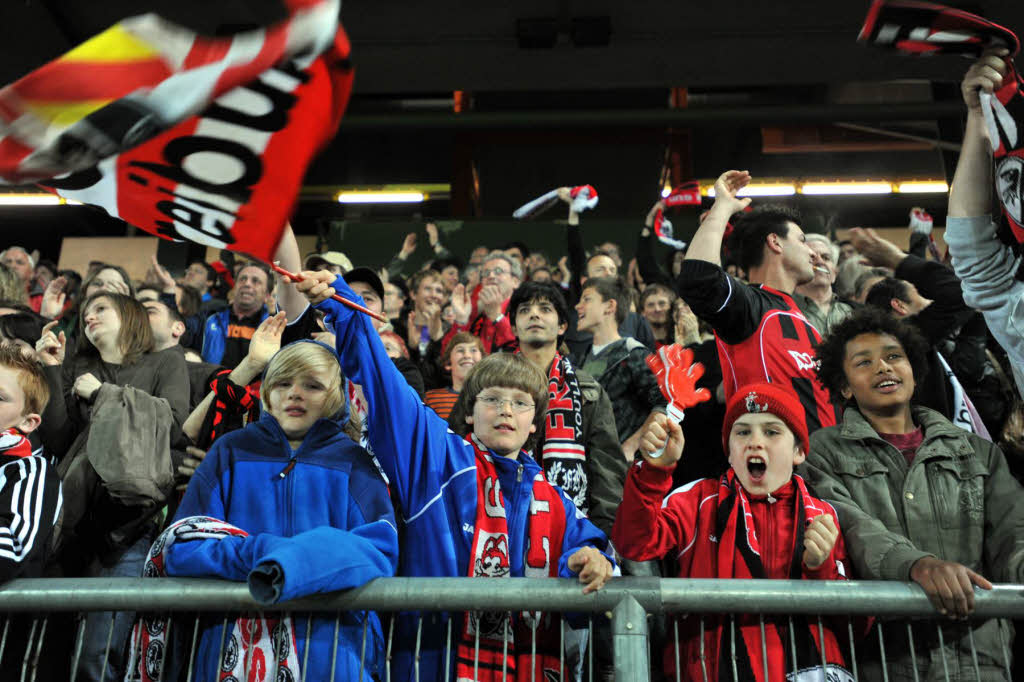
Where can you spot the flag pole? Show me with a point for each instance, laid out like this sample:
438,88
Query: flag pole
337,297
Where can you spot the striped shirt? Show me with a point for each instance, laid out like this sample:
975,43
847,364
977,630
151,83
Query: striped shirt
441,400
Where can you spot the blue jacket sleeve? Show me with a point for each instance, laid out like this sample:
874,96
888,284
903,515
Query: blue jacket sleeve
230,557
414,446
327,559
579,533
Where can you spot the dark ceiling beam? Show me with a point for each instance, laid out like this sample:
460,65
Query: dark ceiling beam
653,118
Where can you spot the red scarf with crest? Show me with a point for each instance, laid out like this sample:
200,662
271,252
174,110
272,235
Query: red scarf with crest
488,648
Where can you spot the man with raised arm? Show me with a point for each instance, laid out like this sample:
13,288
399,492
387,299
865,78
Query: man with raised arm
762,335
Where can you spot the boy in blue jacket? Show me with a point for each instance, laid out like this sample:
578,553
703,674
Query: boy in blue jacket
305,511
474,506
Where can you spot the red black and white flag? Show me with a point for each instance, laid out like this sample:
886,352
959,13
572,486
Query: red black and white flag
686,194
183,135
581,198
924,28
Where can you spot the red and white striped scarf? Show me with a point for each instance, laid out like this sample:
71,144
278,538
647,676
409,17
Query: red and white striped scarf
258,649
488,642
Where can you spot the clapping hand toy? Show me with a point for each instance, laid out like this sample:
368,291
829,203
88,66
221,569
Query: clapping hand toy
677,376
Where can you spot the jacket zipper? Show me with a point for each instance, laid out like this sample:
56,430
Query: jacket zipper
287,469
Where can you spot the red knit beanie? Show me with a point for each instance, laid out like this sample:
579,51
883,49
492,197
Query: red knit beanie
770,399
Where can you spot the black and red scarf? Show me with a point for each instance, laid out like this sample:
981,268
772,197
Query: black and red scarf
738,555
562,451
923,28
487,649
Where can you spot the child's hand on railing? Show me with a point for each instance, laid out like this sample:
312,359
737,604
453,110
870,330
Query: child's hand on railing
593,568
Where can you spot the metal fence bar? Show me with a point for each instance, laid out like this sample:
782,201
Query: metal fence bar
590,647
853,649
913,652
821,643
334,654
974,653
3,640
629,636
28,648
387,654
419,639
79,641
881,651
703,655
942,648
106,651
732,647
39,648
220,650
309,629
192,650
764,645
801,597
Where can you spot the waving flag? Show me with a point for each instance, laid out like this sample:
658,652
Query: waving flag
185,136
686,194
924,28
582,198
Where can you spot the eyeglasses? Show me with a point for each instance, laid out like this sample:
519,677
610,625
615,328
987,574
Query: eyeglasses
497,272
496,403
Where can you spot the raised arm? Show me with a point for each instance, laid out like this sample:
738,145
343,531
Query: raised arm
291,301
706,244
972,183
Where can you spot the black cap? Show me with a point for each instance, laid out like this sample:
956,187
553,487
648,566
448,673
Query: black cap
365,275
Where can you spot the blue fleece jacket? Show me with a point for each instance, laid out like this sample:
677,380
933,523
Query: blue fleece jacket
432,473
325,524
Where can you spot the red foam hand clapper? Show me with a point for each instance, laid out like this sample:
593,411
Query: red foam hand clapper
677,376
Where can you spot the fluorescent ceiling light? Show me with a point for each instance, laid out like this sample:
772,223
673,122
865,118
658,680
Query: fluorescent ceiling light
833,188
923,187
370,197
767,189
30,200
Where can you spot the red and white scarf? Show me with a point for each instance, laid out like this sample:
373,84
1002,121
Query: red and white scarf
488,641
582,198
183,135
251,653
14,444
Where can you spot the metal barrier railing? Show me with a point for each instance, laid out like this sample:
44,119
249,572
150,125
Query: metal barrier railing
628,600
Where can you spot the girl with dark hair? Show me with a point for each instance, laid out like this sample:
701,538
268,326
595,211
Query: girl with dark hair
104,536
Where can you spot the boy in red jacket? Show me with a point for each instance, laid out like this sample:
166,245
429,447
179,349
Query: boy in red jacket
757,521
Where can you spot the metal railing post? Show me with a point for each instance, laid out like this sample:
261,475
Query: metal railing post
629,639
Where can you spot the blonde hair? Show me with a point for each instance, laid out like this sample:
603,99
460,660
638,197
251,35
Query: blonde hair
304,357
30,378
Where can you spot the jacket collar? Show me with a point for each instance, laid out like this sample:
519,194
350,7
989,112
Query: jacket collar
934,425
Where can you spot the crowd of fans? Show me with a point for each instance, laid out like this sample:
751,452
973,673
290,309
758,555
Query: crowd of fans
864,421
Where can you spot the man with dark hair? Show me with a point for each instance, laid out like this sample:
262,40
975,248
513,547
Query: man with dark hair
762,334
201,276
578,446
226,333
918,499
619,364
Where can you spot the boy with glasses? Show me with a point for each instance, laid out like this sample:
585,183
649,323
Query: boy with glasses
474,503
